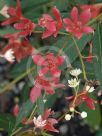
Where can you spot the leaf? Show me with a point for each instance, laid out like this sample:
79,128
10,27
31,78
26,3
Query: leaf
7,122
97,50
40,104
99,133
25,110
21,67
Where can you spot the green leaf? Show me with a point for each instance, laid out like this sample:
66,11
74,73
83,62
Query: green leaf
99,133
97,50
7,122
25,110
40,104
21,67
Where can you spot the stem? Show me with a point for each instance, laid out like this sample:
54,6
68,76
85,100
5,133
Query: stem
80,57
16,131
9,86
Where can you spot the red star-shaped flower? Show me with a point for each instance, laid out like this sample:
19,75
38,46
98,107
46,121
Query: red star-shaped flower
49,64
43,83
77,25
26,27
21,48
15,13
46,122
51,26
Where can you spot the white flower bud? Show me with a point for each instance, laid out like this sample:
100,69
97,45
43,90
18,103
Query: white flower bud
67,117
90,89
71,109
84,114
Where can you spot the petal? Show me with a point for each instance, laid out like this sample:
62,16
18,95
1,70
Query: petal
12,11
19,26
74,14
56,72
88,29
90,103
50,56
60,60
46,114
50,127
51,26
18,9
9,21
49,90
43,71
56,13
46,34
38,59
34,94
85,16
25,33
68,21
78,34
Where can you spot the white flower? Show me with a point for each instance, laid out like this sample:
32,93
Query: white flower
90,89
68,117
84,114
4,11
39,122
73,83
75,72
9,55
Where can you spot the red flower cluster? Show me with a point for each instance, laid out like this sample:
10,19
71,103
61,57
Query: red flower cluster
20,23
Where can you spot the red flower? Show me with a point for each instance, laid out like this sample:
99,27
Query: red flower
89,58
90,103
15,13
94,9
46,122
78,23
26,26
51,26
49,63
42,83
21,48
83,97
49,121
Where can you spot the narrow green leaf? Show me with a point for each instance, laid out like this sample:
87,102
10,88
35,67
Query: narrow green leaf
97,50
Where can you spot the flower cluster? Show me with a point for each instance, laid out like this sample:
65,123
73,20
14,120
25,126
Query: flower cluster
80,96
77,26
49,73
